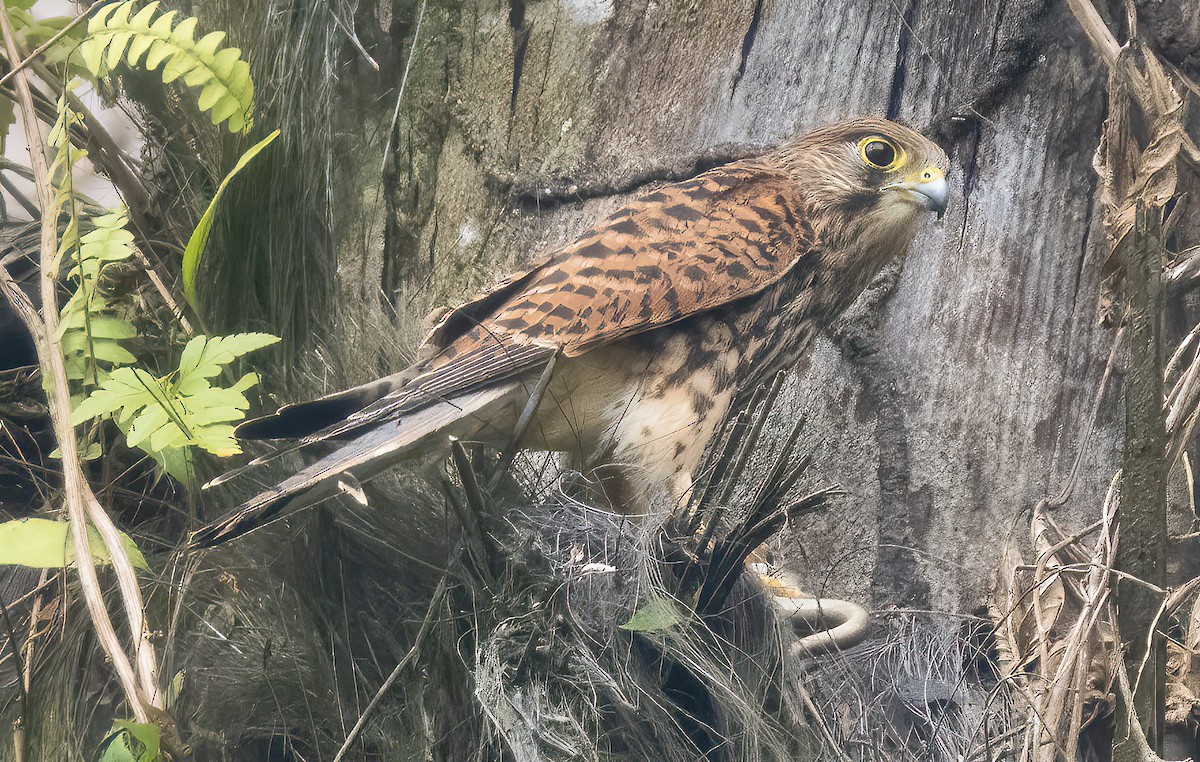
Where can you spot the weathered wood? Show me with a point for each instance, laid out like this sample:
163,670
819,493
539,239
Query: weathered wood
1142,515
954,395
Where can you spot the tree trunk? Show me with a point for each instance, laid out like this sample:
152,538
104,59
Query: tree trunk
956,392
951,398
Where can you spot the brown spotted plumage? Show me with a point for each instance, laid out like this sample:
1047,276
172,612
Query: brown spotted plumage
656,319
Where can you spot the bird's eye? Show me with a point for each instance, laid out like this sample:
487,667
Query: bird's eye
879,153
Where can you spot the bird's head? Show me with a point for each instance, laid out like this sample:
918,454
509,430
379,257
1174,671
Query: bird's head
870,173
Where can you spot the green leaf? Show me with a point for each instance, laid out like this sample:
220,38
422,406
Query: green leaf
47,544
92,452
101,326
89,330
113,37
130,741
217,439
146,733
166,419
125,390
203,357
199,239
655,615
8,117
174,689
179,463
115,748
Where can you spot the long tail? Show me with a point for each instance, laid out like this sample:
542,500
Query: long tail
362,457
304,418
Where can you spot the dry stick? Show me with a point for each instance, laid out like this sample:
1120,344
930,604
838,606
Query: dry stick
426,625
1035,729
525,419
112,159
1076,655
50,42
19,197
1096,30
18,735
89,583
35,611
81,504
112,162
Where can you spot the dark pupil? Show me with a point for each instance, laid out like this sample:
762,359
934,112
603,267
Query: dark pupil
879,153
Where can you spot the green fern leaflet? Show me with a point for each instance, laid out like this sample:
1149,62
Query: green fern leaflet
91,327
182,409
142,39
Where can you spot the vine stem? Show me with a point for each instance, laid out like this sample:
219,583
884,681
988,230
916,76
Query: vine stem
139,684
79,19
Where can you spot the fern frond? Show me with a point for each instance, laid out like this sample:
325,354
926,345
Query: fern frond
184,409
91,329
146,39
62,179
31,33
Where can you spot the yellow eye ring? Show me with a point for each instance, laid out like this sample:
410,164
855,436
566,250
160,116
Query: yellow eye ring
880,153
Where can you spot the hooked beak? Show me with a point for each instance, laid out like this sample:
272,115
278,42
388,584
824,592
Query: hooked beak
927,187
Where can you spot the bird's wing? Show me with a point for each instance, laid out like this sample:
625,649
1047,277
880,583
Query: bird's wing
336,414
682,250
490,363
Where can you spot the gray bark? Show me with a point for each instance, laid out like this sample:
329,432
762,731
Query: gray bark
956,392
954,395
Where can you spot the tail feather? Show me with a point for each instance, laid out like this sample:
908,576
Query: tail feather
362,457
305,418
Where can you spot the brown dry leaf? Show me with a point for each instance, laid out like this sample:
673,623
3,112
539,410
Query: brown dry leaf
1142,99
1055,639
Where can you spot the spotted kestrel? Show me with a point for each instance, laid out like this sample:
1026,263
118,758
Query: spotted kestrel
651,323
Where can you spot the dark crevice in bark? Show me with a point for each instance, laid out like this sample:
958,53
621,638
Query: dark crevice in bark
903,512
520,45
898,71
897,576
747,45
971,165
540,195
433,235
1014,50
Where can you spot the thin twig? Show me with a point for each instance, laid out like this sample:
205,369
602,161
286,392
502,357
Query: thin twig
19,197
140,686
525,419
19,739
426,626
352,36
50,42
387,149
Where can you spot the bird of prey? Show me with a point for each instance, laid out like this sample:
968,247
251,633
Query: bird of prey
634,341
